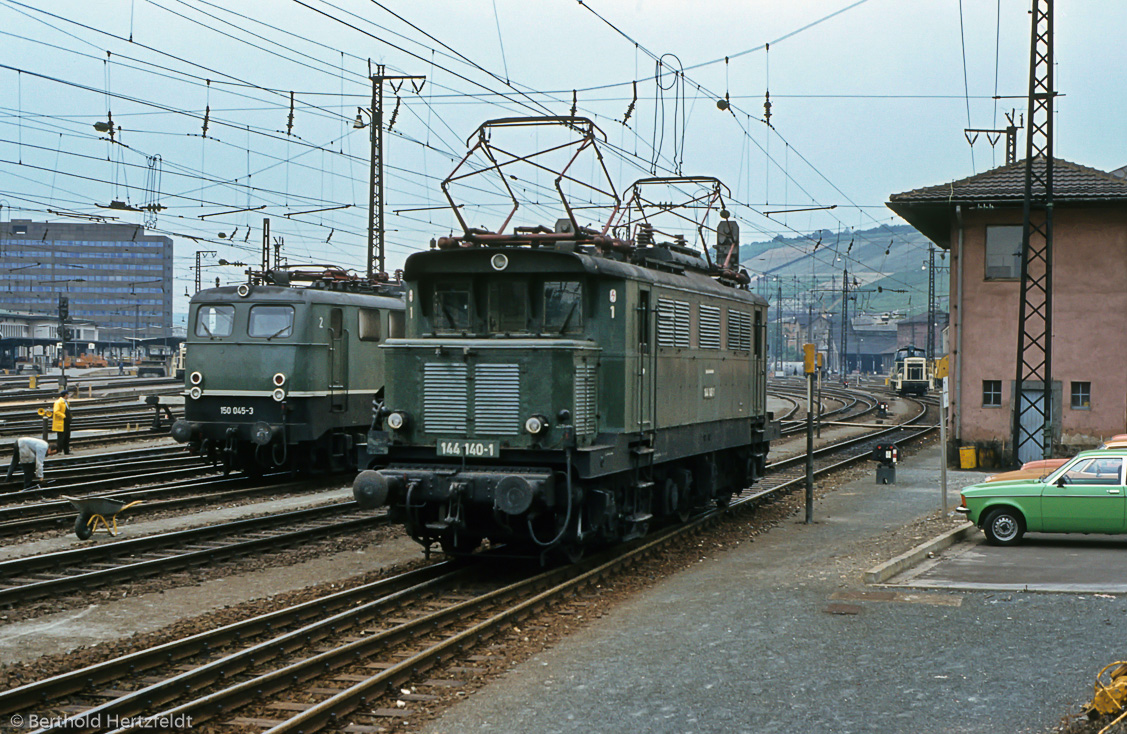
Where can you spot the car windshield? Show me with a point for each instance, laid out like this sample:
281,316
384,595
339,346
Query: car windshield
1092,470
217,320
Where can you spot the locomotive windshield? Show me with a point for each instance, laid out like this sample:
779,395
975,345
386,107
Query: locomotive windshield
563,307
218,320
508,306
270,321
452,307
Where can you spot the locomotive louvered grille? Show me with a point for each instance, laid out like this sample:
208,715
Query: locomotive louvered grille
673,323
585,395
496,397
444,398
681,317
709,327
739,331
915,372
664,322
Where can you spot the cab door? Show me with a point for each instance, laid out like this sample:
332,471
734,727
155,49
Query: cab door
647,356
1091,499
338,362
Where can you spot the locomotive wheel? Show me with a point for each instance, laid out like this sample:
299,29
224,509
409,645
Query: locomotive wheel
82,526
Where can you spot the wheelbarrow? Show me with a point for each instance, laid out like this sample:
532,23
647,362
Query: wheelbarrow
93,511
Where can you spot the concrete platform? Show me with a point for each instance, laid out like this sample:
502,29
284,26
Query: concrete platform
782,635
1041,562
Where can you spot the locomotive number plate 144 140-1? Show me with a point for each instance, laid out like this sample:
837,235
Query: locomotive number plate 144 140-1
471,449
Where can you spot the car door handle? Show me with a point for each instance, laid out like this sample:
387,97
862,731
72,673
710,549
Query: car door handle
1113,491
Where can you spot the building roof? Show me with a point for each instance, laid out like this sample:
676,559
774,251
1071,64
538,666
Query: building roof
929,209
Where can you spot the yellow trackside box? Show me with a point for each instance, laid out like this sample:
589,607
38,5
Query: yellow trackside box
808,356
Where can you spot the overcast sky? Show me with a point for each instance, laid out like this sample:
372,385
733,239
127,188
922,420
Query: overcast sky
868,99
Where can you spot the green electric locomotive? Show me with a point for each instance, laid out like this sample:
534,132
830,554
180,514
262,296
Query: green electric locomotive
560,388
281,372
552,395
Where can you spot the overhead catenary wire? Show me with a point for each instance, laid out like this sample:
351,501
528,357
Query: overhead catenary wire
431,100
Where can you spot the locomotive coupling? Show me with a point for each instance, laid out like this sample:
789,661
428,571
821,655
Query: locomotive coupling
370,489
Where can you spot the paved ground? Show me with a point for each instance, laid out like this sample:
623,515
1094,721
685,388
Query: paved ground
781,636
1043,562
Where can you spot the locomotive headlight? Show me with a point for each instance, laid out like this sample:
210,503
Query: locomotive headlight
397,420
195,378
279,379
279,395
536,425
195,393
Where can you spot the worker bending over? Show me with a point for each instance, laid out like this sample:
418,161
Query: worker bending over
30,453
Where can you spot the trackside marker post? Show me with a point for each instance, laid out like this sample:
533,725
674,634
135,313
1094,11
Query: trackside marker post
942,369
808,363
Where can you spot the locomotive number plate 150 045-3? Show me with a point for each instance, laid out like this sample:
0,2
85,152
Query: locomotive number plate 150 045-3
471,449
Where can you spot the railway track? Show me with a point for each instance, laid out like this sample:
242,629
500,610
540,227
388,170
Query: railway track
355,659
34,577
46,515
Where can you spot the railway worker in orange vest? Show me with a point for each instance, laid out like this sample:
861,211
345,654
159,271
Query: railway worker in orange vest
60,421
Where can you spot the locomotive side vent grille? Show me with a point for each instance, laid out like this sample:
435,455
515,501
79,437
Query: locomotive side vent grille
739,331
586,382
444,398
496,397
664,322
682,316
709,327
673,323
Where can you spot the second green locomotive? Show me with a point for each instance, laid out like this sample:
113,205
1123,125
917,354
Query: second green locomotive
281,372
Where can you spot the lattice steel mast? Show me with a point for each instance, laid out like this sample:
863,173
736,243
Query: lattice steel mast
1032,417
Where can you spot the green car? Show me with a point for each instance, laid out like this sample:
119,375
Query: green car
1085,495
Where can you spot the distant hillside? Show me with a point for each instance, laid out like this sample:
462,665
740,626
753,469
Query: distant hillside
889,265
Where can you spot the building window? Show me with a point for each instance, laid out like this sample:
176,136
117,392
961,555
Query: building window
1003,253
1081,395
991,393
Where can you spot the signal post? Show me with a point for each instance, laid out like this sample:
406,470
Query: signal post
809,364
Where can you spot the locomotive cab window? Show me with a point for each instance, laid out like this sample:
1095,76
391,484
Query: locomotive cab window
270,322
508,306
452,307
369,324
563,307
216,320
396,325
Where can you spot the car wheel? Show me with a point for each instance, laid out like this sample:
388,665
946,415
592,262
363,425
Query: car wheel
1003,526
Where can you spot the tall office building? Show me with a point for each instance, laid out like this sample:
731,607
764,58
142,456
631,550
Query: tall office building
113,275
